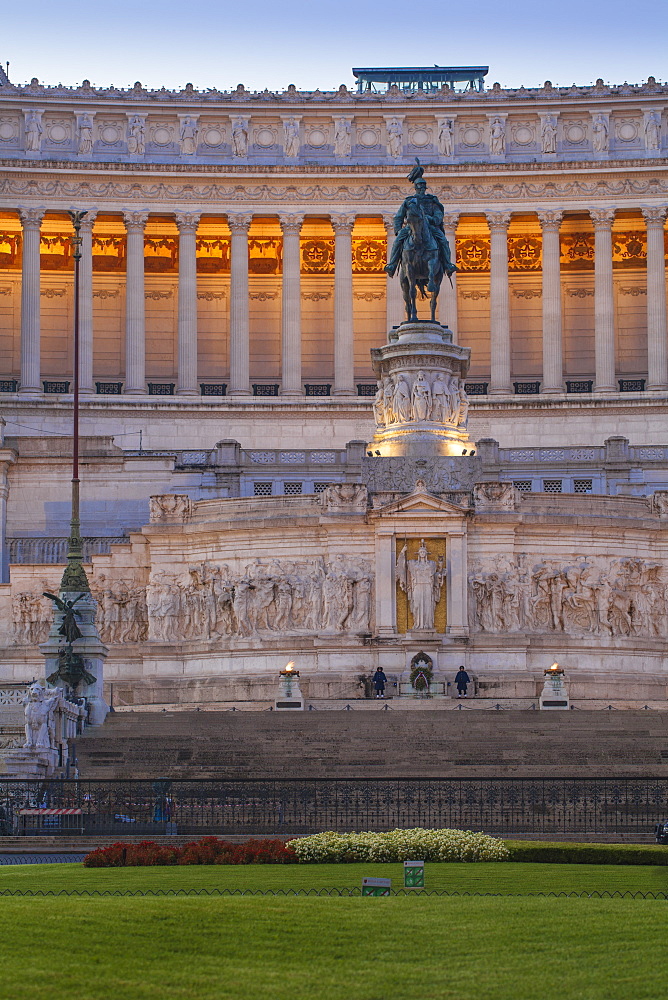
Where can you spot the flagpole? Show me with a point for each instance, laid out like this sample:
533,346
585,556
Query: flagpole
74,577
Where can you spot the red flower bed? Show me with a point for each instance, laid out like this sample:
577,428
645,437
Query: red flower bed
208,851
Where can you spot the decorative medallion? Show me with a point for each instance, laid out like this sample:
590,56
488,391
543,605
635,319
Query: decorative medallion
316,138
471,136
265,138
109,134
8,129
523,135
213,137
57,132
627,130
420,137
162,135
575,133
368,137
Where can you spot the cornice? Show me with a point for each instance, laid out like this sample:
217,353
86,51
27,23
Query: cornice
376,192
241,101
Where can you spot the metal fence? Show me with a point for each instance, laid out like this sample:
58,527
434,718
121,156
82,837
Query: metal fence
495,805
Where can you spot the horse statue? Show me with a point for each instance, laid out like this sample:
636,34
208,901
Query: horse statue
420,265
420,248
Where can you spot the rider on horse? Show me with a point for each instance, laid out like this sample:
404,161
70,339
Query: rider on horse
432,210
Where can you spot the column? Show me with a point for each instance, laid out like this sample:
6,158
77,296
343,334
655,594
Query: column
7,459
499,307
604,310
395,311
86,304
187,223
135,326
291,308
447,300
239,326
553,373
657,360
344,362
31,219
385,584
457,584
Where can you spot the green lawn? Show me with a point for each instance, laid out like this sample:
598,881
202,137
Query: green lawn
506,877
421,948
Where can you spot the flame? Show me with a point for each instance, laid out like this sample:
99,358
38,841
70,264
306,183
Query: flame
290,667
555,666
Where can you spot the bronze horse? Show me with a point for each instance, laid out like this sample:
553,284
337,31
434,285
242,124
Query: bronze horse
421,267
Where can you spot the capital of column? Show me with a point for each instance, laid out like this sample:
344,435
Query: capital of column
291,225
498,221
31,218
388,222
239,222
342,223
88,220
187,222
602,218
450,220
550,220
135,221
654,216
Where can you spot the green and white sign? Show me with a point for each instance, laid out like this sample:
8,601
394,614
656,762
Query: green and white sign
414,874
376,886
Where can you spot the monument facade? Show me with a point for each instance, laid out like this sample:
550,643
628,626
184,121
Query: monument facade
275,464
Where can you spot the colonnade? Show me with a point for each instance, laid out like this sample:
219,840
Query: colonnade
291,340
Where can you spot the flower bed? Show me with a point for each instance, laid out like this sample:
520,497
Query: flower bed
208,851
400,845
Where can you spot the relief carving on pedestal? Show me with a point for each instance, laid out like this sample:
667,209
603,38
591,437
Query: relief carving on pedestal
494,496
269,596
31,618
344,498
170,507
621,597
438,397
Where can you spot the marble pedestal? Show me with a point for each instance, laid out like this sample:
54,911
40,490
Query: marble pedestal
289,697
554,696
421,408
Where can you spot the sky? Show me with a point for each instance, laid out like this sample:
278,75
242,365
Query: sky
315,43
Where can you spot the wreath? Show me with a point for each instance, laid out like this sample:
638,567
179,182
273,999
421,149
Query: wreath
421,674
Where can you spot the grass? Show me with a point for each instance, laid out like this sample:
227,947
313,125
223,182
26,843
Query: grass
421,948
506,878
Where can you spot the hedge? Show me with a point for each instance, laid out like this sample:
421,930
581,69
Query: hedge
399,845
208,851
587,854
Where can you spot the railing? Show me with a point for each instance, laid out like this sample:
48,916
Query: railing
206,806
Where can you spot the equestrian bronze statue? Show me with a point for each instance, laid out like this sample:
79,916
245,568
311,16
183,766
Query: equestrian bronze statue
420,246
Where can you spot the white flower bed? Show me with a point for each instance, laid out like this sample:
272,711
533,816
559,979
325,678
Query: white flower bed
400,845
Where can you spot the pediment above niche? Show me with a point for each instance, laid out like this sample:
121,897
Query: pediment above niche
420,501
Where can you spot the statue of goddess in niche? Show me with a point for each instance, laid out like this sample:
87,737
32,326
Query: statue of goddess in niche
421,579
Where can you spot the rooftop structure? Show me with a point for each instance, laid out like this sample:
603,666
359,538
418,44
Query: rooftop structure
420,77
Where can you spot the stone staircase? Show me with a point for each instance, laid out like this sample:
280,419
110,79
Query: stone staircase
439,743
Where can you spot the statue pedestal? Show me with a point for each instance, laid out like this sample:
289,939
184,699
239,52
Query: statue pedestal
421,407
30,763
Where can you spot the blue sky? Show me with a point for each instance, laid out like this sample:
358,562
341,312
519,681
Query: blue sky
314,43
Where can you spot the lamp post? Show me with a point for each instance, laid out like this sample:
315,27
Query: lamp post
74,578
